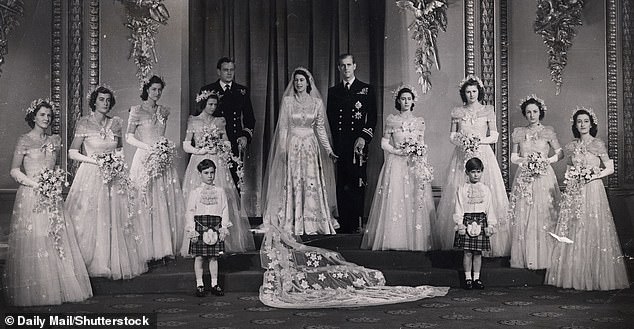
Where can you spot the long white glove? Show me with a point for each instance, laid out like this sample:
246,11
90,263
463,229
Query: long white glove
75,155
22,178
135,142
454,138
517,159
189,148
491,139
385,145
555,157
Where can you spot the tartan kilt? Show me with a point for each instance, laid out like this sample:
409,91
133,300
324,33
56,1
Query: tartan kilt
198,247
467,242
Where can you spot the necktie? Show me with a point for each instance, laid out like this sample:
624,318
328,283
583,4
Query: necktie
226,87
347,85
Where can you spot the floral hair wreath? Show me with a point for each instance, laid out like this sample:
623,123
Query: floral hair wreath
535,98
35,103
146,80
95,87
587,109
204,95
471,77
401,87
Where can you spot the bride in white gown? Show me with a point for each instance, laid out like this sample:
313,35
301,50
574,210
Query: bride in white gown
300,276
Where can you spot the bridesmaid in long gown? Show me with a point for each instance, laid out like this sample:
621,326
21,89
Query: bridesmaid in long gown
43,267
473,120
103,213
300,188
594,259
534,197
403,205
206,124
160,199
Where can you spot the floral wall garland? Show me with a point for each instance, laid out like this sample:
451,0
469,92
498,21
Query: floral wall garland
144,19
556,22
430,17
10,12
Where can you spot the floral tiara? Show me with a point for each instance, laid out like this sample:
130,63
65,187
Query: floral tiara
587,109
401,87
471,77
541,102
94,88
36,103
204,95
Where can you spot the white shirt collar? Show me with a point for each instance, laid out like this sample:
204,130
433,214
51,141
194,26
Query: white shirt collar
350,82
223,84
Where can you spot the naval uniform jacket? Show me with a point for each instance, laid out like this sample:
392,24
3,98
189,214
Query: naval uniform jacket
351,114
235,106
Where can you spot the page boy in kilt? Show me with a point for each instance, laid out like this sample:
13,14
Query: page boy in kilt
207,226
475,221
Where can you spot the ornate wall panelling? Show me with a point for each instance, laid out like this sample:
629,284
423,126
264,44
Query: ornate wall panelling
502,85
612,86
627,56
93,42
469,36
75,72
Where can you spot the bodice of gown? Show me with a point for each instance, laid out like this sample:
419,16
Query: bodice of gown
197,125
534,139
474,122
98,139
307,119
405,128
586,154
149,125
38,155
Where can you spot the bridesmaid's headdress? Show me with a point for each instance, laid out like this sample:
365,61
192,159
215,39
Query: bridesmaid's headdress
204,95
147,79
541,102
587,109
471,77
36,103
403,86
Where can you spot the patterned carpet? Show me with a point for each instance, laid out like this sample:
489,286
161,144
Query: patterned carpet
528,307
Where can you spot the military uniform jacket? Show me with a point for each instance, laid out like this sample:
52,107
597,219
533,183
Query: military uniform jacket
351,113
235,106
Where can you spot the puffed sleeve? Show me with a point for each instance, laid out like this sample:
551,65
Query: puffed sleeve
134,119
82,127
191,125
457,114
597,147
22,146
518,135
117,126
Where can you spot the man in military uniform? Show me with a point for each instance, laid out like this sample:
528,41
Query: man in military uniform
235,106
351,114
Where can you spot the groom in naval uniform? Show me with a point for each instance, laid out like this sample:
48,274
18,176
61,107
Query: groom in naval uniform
351,111
235,106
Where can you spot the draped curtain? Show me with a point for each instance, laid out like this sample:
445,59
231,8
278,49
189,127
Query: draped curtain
268,39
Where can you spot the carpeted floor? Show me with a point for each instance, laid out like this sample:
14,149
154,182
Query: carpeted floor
528,307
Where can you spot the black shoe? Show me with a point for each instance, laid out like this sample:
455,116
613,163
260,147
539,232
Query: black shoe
216,290
477,284
468,284
200,291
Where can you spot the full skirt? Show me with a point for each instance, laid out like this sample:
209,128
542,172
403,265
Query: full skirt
39,271
443,228
533,215
107,227
161,209
240,239
594,261
402,210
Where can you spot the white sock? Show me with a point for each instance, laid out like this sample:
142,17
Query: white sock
467,275
476,275
199,282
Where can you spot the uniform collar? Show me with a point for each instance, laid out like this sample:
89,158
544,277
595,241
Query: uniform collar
343,82
223,84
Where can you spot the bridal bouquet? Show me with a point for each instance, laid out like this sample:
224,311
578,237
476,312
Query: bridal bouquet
417,153
50,183
534,166
571,199
159,159
470,145
112,167
212,140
